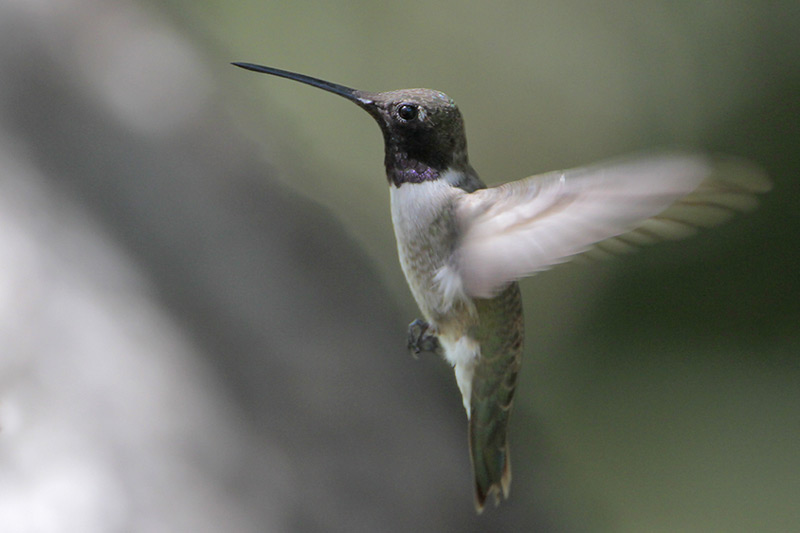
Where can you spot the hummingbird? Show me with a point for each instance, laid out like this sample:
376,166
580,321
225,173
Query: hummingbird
463,246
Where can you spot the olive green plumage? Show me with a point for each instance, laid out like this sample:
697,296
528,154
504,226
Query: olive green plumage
500,332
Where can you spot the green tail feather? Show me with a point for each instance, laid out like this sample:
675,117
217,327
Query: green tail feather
500,335
491,463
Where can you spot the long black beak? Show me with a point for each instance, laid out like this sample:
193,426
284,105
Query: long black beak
359,97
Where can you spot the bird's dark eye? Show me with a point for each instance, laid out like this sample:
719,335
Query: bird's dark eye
407,112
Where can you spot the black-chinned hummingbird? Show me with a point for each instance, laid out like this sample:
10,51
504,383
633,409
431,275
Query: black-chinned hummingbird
463,246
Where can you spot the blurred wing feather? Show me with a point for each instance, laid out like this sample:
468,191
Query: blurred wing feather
527,226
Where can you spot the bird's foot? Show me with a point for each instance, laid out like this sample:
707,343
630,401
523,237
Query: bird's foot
420,340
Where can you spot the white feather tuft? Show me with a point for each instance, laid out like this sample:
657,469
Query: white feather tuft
463,354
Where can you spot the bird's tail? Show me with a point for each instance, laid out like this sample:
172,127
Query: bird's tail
500,334
491,463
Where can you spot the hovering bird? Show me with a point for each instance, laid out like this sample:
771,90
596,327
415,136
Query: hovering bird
463,246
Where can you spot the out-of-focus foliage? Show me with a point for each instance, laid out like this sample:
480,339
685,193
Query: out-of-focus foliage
203,318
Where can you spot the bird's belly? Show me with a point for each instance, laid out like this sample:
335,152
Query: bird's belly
451,313
425,227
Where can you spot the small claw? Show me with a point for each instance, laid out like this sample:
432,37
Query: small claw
415,331
419,340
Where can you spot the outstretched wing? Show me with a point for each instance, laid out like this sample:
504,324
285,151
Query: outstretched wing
527,226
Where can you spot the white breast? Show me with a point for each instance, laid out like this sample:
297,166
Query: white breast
416,205
426,231
422,214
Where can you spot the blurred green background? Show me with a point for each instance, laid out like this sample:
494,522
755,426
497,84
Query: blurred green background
248,216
